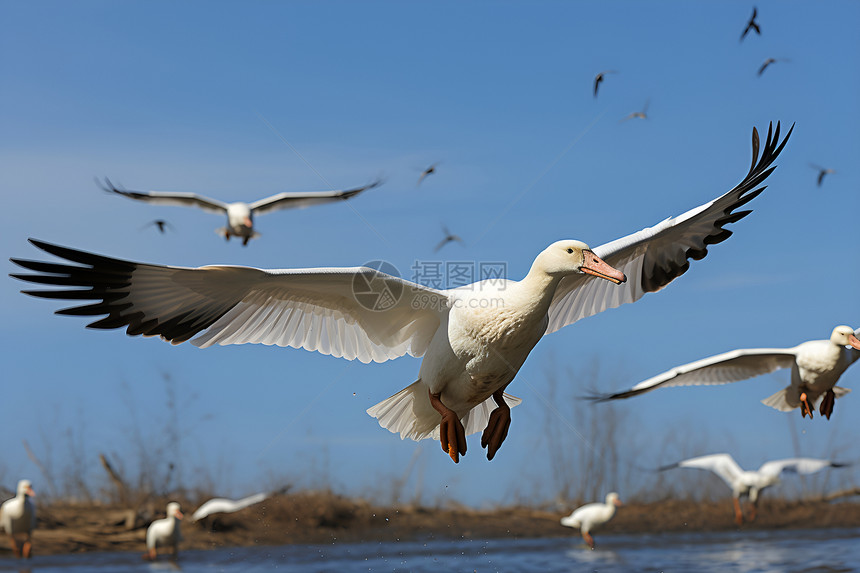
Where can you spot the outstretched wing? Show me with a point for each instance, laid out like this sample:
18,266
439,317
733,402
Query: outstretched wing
180,199
723,465
351,313
654,257
732,366
300,200
796,465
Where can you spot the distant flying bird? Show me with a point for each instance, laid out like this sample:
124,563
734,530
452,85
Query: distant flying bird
751,25
471,350
592,515
164,532
752,483
815,366
223,505
638,114
426,172
822,171
161,224
449,238
240,216
770,61
598,79
18,519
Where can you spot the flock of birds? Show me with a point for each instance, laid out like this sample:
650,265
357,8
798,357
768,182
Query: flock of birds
472,339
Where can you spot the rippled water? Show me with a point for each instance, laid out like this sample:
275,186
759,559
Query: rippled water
820,551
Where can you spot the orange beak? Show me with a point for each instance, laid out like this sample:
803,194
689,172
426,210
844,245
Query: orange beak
852,340
594,265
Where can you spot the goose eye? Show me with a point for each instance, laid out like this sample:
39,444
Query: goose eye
569,251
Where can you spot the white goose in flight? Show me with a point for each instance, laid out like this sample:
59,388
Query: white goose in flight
752,483
224,505
816,367
474,338
240,216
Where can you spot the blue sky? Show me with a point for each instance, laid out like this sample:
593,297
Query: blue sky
200,96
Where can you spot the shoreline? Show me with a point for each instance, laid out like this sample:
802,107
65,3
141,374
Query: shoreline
323,518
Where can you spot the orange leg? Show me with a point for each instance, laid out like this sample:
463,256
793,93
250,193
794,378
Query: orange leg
805,406
452,434
27,548
498,425
739,515
150,554
826,407
588,539
16,551
753,511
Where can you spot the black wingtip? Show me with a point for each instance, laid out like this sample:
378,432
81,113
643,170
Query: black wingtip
669,467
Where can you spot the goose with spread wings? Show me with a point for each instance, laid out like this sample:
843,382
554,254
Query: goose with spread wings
473,339
816,366
751,483
240,216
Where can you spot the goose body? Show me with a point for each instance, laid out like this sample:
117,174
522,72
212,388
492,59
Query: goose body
591,516
815,365
473,339
18,519
164,532
240,216
749,483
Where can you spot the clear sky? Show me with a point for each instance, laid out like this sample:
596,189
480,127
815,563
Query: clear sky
204,96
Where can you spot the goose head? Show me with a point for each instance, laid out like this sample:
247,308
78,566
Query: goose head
844,336
173,510
25,488
575,257
613,499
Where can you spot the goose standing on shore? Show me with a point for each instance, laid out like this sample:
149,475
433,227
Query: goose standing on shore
164,532
816,367
591,516
240,216
18,519
752,483
474,338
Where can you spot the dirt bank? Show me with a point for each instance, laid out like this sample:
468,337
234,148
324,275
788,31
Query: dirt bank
325,518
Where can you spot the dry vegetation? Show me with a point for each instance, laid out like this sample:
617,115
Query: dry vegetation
323,517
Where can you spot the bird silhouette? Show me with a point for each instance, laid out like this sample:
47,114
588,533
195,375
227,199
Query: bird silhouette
751,25
161,224
449,238
822,171
768,62
638,114
426,172
598,79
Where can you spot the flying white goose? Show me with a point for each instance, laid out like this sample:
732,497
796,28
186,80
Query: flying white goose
164,532
473,338
240,216
815,365
18,519
752,483
224,505
592,515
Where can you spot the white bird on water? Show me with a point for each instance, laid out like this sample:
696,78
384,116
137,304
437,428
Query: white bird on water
240,216
816,367
474,338
18,519
591,516
751,483
164,532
